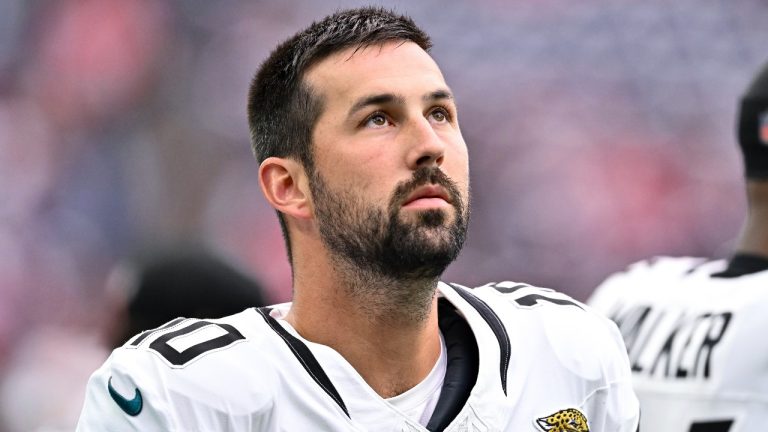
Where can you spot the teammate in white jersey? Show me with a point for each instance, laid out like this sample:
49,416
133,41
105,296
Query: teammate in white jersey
361,154
695,328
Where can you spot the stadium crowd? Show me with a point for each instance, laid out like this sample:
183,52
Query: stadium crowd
122,128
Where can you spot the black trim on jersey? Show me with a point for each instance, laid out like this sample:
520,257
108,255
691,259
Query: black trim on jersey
743,264
146,334
461,371
494,322
305,357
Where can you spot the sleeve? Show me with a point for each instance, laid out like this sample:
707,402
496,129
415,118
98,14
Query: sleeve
114,401
135,390
615,407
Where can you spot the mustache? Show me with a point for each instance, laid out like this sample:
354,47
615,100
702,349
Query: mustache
424,176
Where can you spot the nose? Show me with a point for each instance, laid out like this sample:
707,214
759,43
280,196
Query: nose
426,147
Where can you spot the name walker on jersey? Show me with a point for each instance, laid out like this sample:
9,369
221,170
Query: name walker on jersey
671,343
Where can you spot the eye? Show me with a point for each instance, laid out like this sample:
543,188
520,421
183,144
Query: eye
376,120
440,115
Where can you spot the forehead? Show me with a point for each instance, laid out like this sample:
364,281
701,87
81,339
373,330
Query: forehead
392,67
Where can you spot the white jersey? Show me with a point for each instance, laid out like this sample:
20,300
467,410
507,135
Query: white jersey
520,359
696,343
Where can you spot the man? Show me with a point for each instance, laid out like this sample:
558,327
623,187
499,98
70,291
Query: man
694,327
362,157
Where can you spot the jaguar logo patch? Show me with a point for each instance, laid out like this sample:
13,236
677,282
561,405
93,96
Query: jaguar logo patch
567,420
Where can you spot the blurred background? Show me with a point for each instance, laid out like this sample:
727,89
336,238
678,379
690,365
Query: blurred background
600,132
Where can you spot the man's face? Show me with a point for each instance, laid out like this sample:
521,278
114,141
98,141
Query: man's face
390,184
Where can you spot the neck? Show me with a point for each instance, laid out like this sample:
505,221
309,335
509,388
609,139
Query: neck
754,236
386,329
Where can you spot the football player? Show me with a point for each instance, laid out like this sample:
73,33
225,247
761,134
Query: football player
693,326
360,152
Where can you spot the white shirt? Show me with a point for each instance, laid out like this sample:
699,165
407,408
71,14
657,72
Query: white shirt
696,343
537,354
419,402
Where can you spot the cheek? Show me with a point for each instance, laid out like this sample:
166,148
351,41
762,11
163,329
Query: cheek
457,157
460,175
362,181
458,171
366,171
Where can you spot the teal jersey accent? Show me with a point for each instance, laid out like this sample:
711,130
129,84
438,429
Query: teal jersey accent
132,407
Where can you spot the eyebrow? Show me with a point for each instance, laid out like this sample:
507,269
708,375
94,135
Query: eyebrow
390,98
443,94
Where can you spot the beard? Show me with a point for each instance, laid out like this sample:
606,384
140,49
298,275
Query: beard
382,242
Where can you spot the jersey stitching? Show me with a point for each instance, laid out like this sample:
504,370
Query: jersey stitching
606,387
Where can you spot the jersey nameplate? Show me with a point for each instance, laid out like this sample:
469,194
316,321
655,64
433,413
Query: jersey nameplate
670,343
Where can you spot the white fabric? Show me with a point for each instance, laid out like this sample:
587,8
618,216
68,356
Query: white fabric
419,402
562,356
697,344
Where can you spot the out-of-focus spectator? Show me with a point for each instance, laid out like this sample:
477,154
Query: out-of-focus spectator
694,326
178,282
44,384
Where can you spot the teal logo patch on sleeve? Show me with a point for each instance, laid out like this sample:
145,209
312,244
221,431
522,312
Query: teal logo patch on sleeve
132,407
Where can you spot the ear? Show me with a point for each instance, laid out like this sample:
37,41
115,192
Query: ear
283,182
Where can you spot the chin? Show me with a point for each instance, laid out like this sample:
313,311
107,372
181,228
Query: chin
428,218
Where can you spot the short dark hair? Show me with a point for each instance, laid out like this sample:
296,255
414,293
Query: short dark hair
282,109
752,113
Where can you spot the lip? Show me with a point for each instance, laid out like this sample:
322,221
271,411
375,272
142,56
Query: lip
426,195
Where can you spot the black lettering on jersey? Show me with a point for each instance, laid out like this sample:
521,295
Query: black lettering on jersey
509,290
712,426
666,350
682,350
714,334
682,368
631,325
531,300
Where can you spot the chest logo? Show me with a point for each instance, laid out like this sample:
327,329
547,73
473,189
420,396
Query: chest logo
567,420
